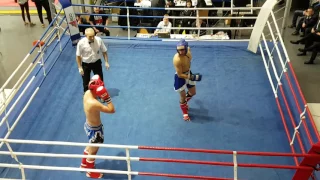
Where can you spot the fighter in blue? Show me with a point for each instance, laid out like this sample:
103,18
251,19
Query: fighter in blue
183,78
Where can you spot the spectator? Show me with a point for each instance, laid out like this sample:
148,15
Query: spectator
97,20
25,5
45,4
311,38
305,24
199,23
82,20
163,26
187,22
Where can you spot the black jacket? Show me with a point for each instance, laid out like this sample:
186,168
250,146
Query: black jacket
311,21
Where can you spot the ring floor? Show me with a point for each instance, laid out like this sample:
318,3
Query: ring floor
234,109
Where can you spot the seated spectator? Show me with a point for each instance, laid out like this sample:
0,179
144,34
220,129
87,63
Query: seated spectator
82,20
99,21
315,48
199,24
296,15
309,40
187,22
299,13
163,26
305,24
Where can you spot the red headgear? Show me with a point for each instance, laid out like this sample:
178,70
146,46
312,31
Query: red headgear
95,82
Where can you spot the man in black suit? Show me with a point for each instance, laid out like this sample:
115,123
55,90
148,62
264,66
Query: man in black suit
300,13
306,23
311,43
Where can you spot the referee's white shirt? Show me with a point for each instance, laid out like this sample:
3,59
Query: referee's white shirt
90,52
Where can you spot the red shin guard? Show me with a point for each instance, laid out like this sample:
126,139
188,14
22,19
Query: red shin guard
84,160
184,108
96,175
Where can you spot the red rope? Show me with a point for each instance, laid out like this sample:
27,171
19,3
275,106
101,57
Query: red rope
299,109
182,176
225,163
304,101
292,120
286,129
227,152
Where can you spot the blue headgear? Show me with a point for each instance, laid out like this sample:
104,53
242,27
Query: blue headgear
182,44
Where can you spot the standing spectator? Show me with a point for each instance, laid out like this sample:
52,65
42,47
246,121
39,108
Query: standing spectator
45,5
25,5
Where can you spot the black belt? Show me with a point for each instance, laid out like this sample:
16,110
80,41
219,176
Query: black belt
92,62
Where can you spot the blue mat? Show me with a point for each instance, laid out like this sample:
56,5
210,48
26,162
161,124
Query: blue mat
234,109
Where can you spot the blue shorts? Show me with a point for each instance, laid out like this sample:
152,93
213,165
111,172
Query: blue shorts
94,133
181,84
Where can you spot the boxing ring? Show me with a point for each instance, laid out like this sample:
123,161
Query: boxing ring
249,118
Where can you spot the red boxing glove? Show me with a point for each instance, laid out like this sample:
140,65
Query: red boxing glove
103,94
95,82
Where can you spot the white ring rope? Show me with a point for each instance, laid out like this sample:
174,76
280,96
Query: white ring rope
281,40
54,155
267,70
296,129
16,159
65,143
276,46
20,115
271,59
26,73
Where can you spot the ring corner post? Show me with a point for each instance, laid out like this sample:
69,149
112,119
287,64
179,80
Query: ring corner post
258,28
71,20
308,161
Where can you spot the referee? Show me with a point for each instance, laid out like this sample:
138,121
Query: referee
88,56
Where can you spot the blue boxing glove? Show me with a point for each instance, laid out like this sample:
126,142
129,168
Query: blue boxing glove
195,77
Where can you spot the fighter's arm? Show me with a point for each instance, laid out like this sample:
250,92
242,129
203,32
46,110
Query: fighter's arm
103,94
178,66
158,28
106,108
189,49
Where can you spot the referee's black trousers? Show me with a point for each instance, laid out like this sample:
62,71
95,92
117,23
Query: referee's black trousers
96,67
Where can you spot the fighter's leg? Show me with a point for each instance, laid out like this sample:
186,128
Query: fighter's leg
183,96
184,106
191,92
90,163
91,151
95,135
180,86
191,85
